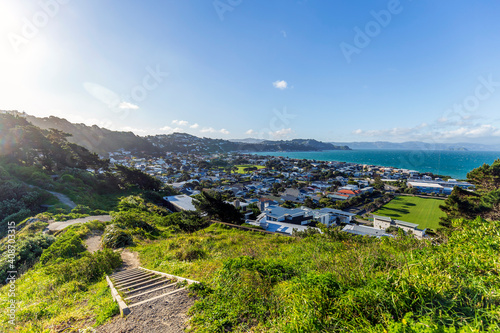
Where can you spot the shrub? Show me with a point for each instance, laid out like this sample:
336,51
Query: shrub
114,237
66,246
81,209
89,268
27,252
191,253
135,219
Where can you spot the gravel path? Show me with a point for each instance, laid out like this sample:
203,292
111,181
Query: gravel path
54,226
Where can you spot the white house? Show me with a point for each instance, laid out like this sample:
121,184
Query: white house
383,222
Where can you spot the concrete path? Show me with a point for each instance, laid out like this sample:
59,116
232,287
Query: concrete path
55,226
63,199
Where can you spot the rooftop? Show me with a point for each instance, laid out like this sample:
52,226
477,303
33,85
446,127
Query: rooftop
183,202
365,231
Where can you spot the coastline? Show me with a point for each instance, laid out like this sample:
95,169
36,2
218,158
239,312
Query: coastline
453,163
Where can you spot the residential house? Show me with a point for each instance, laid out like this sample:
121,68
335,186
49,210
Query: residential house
383,222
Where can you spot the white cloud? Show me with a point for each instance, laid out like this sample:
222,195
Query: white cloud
208,130
171,129
282,85
478,131
281,134
180,122
194,126
127,105
250,132
132,129
213,130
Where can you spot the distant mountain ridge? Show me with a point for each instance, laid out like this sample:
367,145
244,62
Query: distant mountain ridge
419,145
103,141
185,142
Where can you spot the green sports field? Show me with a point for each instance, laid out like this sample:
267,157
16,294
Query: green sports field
424,212
242,167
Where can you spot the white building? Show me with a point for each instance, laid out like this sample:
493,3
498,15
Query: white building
383,222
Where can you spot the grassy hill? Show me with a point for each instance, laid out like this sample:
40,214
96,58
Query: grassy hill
331,282
423,211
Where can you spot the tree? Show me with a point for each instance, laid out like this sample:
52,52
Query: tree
215,208
461,204
486,177
131,176
378,184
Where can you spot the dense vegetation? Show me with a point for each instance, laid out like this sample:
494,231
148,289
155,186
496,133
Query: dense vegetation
484,201
46,160
67,284
336,282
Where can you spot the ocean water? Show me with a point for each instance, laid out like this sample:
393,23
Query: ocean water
455,164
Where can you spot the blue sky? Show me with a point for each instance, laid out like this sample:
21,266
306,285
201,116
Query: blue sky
329,70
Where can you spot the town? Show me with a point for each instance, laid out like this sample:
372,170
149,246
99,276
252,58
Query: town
285,195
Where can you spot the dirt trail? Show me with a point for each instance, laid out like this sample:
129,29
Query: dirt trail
130,260
93,242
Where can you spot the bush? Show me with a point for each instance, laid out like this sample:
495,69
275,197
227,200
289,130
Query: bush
185,221
191,253
66,246
81,209
115,237
89,268
136,219
27,252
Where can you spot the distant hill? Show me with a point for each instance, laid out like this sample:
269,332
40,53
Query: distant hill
189,143
418,145
247,140
94,138
104,141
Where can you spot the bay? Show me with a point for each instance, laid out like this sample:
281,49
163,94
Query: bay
455,164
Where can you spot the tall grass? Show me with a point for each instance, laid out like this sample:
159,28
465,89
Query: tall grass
321,284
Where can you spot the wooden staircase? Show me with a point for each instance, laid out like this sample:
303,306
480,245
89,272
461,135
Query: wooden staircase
138,286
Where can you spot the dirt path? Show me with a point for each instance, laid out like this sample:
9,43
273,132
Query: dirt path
130,260
93,242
